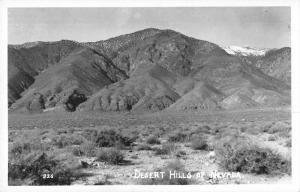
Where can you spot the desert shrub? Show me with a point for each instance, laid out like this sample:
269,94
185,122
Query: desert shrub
172,166
159,130
266,128
61,141
143,147
134,156
77,151
19,148
145,134
272,138
33,168
129,137
87,148
77,139
257,160
243,129
279,127
153,140
64,140
225,133
253,131
57,89
203,129
110,155
62,131
199,143
284,134
109,138
180,153
104,181
288,143
244,156
274,130
216,130
178,137
44,132
166,149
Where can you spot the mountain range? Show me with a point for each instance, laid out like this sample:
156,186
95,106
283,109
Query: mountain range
148,70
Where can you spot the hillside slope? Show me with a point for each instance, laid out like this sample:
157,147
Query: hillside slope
28,60
277,63
228,83
149,91
154,66
82,72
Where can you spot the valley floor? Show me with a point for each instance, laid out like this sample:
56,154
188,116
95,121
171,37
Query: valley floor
188,142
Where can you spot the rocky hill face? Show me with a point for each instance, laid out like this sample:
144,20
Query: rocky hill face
149,70
273,62
30,59
83,72
229,83
277,63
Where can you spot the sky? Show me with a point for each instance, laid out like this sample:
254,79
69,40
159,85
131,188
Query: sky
262,27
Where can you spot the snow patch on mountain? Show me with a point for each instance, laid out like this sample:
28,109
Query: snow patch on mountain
245,51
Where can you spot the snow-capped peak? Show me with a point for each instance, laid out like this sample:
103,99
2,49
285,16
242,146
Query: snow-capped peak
245,51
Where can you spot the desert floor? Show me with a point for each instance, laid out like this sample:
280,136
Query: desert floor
190,142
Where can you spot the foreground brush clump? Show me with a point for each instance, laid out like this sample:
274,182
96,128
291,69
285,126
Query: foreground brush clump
40,169
241,155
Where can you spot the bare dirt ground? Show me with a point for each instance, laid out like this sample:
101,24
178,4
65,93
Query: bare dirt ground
63,136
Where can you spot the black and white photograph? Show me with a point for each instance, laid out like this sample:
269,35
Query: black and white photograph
140,96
